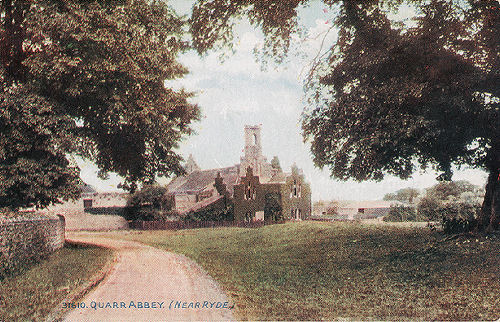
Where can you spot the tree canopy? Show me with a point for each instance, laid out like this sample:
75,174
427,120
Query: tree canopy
275,163
460,199
87,78
407,195
387,96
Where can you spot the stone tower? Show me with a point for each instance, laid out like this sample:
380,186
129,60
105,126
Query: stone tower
253,154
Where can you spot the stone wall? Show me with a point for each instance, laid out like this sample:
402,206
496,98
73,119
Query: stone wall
296,197
293,197
87,222
24,240
250,197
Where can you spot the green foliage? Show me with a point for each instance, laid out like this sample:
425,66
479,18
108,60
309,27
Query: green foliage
407,195
87,77
275,163
212,24
449,190
455,203
455,225
45,284
117,211
34,170
272,207
149,203
214,213
429,208
403,213
391,103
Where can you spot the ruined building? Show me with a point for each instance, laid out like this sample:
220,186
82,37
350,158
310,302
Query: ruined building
257,190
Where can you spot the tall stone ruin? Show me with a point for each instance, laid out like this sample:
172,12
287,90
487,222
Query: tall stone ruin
253,154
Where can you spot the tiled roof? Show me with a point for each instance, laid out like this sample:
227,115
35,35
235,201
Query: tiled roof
202,204
200,180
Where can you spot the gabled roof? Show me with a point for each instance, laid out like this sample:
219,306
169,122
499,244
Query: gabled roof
200,180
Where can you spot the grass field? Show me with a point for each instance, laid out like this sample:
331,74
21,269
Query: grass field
35,291
315,270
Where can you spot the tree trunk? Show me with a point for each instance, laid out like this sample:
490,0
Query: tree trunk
490,211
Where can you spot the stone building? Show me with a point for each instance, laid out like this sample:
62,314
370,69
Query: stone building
286,196
257,190
90,198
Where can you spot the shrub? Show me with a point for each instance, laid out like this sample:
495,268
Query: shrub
402,213
458,217
456,204
118,211
215,213
428,208
149,203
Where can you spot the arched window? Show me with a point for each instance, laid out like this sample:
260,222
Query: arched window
254,139
250,192
294,189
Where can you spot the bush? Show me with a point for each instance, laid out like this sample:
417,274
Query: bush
456,204
117,211
214,213
149,203
428,208
402,213
456,225
458,218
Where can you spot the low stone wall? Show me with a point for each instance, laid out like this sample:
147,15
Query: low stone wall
24,240
87,222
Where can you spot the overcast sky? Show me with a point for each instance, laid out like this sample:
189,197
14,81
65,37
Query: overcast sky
236,92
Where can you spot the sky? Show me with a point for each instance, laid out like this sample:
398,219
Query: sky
236,92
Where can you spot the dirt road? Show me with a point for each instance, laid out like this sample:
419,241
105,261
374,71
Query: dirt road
149,284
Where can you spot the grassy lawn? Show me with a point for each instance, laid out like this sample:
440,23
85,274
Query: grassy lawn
35,291
317,270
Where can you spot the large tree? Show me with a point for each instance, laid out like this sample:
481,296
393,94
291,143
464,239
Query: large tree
87,78
388,96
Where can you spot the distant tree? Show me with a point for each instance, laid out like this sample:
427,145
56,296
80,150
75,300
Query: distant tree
388,95
407,195
453,189
87,78
275,163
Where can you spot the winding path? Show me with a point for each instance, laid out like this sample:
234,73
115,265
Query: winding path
150,284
